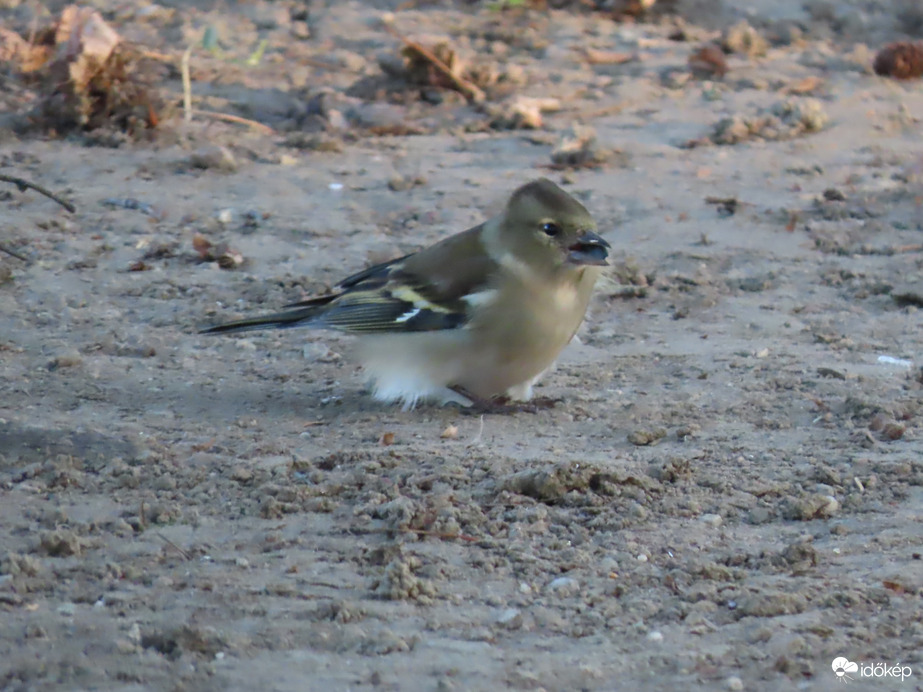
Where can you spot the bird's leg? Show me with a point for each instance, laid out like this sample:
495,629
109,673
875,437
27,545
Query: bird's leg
502,404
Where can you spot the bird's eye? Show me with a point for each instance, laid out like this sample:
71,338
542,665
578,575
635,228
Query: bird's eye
551,229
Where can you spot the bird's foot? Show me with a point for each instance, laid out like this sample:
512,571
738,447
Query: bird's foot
503,404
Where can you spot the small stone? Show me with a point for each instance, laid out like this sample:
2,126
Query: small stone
643,438
214,157
815,506
655,636
713,520
511,619
60,543
564,586
134,634
242,474
734,684
123,646
759,515
69,359
300,30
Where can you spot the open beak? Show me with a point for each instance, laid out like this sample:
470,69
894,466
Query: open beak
589,249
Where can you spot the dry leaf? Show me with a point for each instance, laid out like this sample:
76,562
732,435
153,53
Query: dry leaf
450,433
386,439
27,57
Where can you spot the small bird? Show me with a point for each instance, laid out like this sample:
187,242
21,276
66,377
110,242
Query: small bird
474,319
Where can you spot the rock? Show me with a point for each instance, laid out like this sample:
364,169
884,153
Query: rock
564,587
67,610
60,543
771,604
399,582
814,506
642,438
713,520
214,158
511,619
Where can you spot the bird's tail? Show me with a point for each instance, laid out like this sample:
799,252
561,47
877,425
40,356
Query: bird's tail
306,313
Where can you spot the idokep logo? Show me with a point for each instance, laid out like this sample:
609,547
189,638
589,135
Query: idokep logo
847,671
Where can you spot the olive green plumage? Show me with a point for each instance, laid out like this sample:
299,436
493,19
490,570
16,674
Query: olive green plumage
483,312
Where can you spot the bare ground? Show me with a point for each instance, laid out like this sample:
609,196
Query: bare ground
727,498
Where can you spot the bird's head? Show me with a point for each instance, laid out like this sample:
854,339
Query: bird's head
545,227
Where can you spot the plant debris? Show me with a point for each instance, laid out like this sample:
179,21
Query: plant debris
786,119
437,64
88,77
225,256
901,60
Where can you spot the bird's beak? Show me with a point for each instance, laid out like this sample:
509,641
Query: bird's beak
589,249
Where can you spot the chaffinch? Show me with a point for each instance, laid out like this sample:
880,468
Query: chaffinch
475,318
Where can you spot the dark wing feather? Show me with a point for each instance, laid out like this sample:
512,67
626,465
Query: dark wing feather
424,291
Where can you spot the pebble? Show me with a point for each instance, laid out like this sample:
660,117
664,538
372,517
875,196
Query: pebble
734,684
511,618
564,586
713,520
214,157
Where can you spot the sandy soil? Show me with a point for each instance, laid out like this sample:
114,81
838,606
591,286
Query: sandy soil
727,498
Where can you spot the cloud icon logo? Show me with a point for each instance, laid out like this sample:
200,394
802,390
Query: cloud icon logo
841,666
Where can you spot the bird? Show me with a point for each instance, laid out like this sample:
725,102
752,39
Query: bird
475,318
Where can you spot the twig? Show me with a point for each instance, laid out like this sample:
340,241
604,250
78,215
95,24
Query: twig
24,185
173,545
13,253
470,90
265,129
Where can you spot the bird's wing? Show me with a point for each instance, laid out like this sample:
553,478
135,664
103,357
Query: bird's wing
427,291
